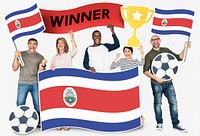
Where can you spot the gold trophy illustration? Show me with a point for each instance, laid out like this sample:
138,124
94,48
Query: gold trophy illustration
136,16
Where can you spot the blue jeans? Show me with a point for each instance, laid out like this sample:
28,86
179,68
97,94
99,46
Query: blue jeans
168,90
23,90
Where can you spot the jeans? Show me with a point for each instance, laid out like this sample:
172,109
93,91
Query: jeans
168,90
23,90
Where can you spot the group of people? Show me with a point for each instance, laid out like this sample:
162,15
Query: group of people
96,59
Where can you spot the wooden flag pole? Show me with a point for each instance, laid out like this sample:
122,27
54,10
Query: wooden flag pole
20,57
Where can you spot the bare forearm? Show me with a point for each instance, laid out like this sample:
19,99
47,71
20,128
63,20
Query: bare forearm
15,64
73,44
115,61
150,75
42,66
186,45
181,55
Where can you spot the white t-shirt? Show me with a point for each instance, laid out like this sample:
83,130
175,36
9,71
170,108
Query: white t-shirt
99,57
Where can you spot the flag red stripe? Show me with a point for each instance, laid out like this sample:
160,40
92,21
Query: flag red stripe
92,99
25,22
174,22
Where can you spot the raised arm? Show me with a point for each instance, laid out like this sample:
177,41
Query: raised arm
116,43
141,62
71,33
186,45
74,46
115,63
111,28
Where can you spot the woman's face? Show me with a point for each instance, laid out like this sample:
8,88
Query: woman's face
128,53
61,45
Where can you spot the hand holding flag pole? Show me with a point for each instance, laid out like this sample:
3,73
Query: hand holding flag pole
24,22
20,57
186,50
173,21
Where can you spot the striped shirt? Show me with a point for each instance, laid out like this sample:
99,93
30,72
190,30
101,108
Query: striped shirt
127,64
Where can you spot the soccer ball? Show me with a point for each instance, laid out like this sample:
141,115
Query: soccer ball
164,66
23,120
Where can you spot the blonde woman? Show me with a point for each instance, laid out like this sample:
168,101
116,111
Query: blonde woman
63,58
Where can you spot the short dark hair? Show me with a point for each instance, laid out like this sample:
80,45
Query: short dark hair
32,39
96,31
130,48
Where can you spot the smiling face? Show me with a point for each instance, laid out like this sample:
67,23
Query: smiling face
155,41
128,52
32,45
61,45
96,36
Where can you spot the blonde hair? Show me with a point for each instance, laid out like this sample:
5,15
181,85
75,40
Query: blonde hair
66,47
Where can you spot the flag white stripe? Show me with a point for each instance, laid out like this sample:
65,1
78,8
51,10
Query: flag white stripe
89,83
23,15
26,29
90,115
174,16
171,28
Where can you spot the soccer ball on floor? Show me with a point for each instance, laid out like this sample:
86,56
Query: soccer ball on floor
164,66
23,120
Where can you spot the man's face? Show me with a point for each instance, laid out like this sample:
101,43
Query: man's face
155,41
32,46
97,38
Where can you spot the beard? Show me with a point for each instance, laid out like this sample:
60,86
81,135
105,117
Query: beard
156,45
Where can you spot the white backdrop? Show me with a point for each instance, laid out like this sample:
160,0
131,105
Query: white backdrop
186,81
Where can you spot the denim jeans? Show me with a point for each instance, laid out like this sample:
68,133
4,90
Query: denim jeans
23,90
168,90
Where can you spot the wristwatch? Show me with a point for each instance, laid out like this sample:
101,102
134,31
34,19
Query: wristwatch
44,66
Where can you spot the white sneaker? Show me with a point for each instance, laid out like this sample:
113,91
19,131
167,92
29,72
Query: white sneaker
180,128
159,127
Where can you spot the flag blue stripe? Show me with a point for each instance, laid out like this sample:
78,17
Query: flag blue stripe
175,11
97,126
28,33
21,12
117,76
166,32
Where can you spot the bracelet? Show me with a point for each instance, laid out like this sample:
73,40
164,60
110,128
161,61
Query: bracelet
142,52
72,40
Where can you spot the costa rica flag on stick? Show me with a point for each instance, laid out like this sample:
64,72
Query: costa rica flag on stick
176,21
25,22
107,102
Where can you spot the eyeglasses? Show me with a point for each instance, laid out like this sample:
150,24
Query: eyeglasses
156,39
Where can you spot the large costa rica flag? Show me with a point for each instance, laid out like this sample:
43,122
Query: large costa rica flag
106,102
